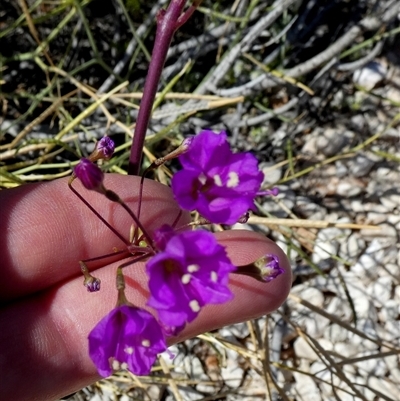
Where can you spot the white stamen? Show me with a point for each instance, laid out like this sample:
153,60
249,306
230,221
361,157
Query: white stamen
124,365
214,277
202,179
233,180
146,343
194,306
116,365
217,180
186,278
129,350
193,268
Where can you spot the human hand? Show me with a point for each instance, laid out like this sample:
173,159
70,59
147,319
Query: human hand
46,313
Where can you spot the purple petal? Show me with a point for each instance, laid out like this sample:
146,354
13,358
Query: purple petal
192,271
206,150
127,338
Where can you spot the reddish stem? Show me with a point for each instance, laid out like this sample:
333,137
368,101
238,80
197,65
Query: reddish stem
93,210
108,255
168,21
113,197
134,260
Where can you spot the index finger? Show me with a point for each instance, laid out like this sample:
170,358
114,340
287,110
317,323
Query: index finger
47,229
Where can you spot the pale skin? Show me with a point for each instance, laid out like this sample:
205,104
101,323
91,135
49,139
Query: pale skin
46,312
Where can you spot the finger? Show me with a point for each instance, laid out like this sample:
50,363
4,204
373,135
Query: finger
44,340
48,229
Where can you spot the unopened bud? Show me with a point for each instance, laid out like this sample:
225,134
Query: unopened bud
186,143
264,269
180,150
106,146
90,175
92,283
104,149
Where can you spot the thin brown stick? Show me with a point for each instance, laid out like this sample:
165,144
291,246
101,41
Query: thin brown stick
270,221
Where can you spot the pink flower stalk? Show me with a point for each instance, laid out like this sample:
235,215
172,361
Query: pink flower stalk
168,21
217,183
127,338
191,271
106,147
90,175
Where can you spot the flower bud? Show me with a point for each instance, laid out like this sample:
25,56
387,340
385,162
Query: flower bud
106,147
92,283
162,236
90,175
264,269
180,150
186,143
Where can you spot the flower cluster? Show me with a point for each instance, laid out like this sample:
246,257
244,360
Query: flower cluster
186,270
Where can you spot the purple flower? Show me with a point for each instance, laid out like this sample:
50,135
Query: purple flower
106,147
219,184
191,271
89,174
127,338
